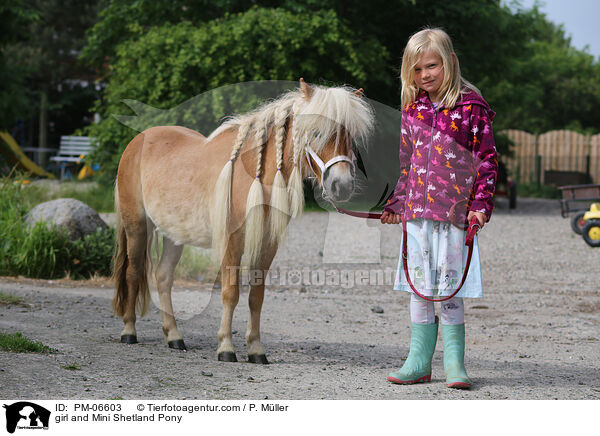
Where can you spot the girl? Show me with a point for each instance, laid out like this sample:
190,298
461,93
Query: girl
448,170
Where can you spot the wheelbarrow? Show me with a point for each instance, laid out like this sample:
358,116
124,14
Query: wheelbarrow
577,199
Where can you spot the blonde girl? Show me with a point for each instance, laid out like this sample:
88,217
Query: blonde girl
448,169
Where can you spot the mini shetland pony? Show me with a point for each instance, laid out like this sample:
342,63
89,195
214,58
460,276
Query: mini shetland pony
235,191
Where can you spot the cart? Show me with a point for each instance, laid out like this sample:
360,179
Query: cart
577,199
591,229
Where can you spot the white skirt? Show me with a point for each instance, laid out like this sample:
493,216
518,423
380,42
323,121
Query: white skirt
437,255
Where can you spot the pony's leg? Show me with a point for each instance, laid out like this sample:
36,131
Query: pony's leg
135,274
164,278
256,353
230,295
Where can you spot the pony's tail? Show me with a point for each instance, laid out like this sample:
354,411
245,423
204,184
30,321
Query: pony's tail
221,210
119,262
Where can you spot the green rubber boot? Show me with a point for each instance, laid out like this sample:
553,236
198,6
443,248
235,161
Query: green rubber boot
417,367
454,356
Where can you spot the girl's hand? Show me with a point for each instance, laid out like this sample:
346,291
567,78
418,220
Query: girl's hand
480,217
390,218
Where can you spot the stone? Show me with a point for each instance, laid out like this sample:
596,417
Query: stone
76,217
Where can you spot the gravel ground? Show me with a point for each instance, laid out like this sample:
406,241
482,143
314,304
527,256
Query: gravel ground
535,334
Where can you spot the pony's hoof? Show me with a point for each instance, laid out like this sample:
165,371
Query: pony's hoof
227,356
177,345
258,358
129,339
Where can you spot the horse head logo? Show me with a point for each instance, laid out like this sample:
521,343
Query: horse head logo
25,414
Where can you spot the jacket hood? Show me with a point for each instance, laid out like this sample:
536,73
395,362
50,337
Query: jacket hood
469,97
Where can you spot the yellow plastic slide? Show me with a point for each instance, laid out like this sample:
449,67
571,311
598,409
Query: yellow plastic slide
11,150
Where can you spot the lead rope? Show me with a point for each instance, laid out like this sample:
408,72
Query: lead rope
472,230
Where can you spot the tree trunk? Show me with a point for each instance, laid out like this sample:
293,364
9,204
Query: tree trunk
42,155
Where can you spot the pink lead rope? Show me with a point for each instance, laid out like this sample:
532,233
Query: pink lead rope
471,232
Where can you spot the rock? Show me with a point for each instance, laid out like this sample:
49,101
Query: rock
377,309
76,217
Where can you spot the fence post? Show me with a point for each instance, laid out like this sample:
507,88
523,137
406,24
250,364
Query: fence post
538,161
588,174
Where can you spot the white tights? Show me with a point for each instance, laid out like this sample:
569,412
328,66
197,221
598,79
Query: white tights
423,312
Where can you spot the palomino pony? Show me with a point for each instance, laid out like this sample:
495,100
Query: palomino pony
235,191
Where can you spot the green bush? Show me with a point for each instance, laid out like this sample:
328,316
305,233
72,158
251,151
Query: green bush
43,251
533,190
92,254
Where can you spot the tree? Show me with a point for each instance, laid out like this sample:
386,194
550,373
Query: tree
15,18
549,84
123,20
52,78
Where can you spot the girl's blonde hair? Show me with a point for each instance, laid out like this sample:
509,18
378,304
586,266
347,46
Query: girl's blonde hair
438,41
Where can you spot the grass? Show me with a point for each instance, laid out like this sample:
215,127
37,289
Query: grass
7,299
72,367
17,343
43,251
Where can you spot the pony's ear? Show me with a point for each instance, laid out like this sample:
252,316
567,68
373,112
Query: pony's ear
306,89
359,92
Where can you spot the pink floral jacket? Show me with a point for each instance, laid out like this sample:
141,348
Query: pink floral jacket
448,161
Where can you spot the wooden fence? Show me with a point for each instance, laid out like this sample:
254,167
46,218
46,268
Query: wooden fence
558,150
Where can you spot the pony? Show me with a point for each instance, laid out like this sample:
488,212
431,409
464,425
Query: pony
234,192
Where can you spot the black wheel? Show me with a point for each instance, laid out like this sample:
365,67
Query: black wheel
577,222
512,195
591,233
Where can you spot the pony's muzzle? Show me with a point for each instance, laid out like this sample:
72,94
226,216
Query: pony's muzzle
339,182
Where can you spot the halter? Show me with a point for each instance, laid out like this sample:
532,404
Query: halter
310,153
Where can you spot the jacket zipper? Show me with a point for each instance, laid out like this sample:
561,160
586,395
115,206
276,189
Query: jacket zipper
428,161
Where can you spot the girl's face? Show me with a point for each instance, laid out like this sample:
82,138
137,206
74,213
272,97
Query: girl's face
429,74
